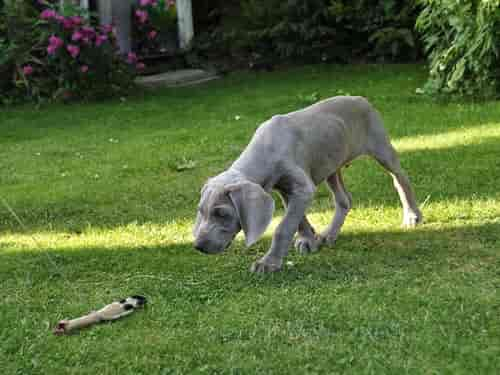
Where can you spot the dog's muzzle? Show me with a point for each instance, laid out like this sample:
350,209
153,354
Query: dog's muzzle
207,247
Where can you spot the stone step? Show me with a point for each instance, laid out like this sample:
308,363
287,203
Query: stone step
177,78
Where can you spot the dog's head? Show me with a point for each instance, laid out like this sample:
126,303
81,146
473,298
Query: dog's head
226,209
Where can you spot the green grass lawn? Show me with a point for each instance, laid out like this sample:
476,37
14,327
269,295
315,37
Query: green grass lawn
108,191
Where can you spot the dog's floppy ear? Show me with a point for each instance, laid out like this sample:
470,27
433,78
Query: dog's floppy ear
196,226
254,207
205,191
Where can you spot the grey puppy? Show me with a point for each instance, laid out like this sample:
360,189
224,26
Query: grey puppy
294,153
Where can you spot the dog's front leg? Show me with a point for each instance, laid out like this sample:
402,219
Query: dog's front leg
283,236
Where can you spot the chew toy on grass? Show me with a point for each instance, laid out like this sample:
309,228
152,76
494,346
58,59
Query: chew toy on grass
112,311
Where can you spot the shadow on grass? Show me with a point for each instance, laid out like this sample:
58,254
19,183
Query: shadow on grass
179,271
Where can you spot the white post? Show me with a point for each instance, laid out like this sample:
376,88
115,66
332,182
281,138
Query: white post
122,18
104,8
185,23
84,4
117,12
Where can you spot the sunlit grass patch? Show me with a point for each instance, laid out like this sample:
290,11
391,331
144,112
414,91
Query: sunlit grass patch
462,137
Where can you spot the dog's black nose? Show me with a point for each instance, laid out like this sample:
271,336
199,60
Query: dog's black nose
199,245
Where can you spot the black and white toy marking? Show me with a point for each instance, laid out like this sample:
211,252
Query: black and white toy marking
109,312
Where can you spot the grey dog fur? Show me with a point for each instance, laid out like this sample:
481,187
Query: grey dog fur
294,153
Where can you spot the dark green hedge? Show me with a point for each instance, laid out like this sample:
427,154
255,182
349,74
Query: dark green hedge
308,30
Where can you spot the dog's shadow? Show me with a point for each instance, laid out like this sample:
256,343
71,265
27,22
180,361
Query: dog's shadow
367,256
357,257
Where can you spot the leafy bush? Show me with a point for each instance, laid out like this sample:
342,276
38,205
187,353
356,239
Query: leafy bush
381,30
18,49
293,28
59,54
317,30
462,38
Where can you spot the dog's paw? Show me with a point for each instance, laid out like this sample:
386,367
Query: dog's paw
412,219
266,265
307,245
329,239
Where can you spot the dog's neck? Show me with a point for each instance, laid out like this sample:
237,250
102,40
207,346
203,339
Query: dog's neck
234,176
229,177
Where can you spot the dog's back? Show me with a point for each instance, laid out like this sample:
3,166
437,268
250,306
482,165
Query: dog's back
320,138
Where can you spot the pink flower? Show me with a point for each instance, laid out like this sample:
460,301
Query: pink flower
140,66
54,44
56,41
73,50
131,58
77,20
106,29
145,3
84,68
152,34
51,49
27,70
141,15
77,35
68,23
88,31
48,14
59,18
100,39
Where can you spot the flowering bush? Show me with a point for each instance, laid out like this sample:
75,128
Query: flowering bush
70,58
155,28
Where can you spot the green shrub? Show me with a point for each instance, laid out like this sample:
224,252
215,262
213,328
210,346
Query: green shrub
317,30
293,28
380,30
20,41
462,38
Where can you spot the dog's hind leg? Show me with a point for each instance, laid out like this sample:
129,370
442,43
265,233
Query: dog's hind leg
382,151
343,204
390,161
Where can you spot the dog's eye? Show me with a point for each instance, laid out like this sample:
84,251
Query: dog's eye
220,212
